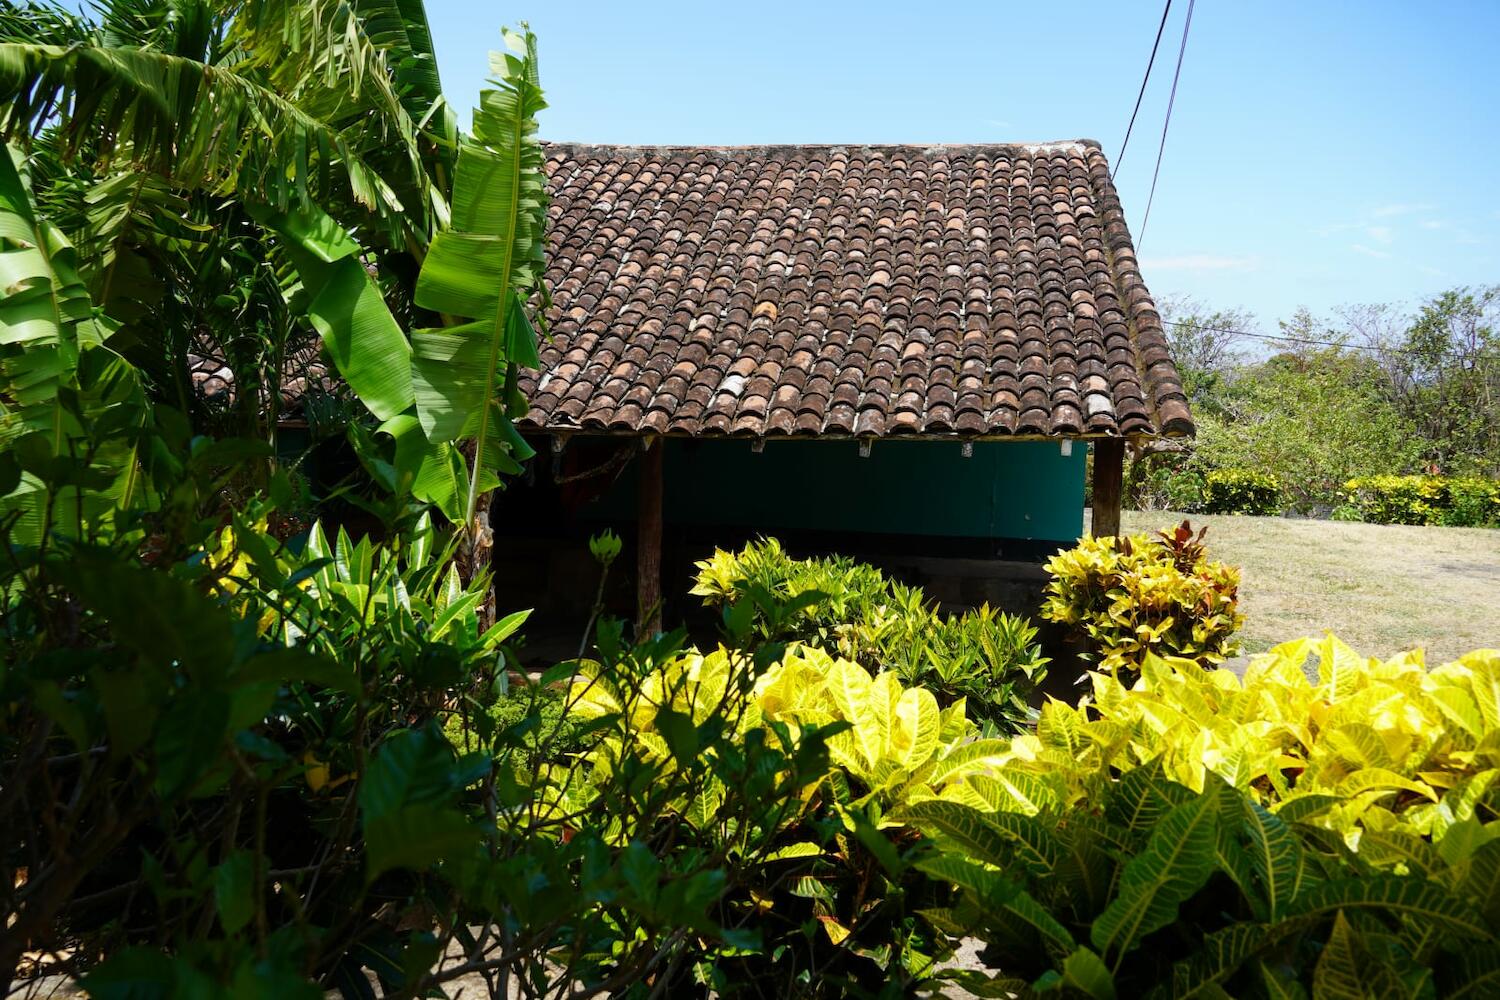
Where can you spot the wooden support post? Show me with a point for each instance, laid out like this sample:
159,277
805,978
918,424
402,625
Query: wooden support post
648,537
1109,467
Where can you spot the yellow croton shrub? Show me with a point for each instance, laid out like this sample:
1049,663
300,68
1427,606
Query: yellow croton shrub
1146,595
899,746
1368,748
1361,746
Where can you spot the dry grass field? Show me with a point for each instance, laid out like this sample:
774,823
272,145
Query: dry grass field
1381,588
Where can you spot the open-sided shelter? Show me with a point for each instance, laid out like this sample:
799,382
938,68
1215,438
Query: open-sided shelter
873,348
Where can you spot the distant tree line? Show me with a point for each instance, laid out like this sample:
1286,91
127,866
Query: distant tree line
1372,390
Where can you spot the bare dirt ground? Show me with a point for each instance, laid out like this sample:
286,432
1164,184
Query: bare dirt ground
1380,588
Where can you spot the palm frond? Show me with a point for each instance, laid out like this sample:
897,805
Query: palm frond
298,101
399,28
45,22
337,66
238,137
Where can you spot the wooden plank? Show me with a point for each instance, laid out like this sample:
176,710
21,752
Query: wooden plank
648,537
1109,467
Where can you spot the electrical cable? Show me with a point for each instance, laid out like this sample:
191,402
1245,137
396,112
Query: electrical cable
1171,99
1138,97
1285,338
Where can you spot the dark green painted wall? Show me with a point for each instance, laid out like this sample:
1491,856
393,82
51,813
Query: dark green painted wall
1006,489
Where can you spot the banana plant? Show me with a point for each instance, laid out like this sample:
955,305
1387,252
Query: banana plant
322,120
61,388
153,132
482,270
449,389
267,100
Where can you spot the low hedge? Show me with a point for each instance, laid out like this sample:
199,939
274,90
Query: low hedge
1440,500
1242,491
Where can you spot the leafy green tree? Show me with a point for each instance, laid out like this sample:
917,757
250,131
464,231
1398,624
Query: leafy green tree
149,138
1445,378
1207,346
1313,420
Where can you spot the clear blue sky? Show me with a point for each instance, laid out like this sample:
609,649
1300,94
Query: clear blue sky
1319,153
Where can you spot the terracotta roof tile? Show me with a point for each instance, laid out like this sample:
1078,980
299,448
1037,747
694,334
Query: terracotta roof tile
870,290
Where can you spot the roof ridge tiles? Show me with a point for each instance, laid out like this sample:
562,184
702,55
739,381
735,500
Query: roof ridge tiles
583,147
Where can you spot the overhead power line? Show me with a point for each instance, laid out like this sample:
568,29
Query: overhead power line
1171,100
1290,338
1144,80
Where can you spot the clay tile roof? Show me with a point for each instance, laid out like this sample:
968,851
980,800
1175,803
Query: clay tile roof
847,290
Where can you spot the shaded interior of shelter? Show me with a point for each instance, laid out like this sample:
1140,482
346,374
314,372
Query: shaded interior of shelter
970,529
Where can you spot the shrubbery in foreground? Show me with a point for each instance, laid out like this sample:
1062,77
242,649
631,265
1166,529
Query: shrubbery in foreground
989,657
1129,597
1196,834
764,818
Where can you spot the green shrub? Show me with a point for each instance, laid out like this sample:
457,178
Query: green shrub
1346,512
1203,834
1396,499
206,705
1184,491
825,886
1426,500
1313,421
1174,485
248,745
536,715
990,658
1472,503
1242,491
1133,596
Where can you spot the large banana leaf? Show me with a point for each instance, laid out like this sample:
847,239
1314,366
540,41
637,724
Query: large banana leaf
55,374
484,267
46,315
432,470
344,304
